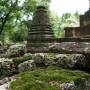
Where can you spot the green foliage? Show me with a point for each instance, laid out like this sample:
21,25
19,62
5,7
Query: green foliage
15,18
19,60
41,79
10,14
66,20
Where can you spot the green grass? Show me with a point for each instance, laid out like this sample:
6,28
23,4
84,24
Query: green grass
40,79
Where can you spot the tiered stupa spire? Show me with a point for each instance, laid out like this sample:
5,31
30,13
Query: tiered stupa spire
41,27
41,30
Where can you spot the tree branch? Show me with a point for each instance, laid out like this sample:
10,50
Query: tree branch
7,16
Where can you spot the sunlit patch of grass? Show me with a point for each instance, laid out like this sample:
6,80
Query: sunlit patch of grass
40,79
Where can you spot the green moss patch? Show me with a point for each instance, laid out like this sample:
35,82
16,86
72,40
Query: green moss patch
42,79
19,60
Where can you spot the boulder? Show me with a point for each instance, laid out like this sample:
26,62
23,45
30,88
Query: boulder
44,59
71,60
16,50
62,60
68,86
39,59
82,84
26,66
71,47
7,67
50,59
78,61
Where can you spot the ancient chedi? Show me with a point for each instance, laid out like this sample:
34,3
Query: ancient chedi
41,31
83,31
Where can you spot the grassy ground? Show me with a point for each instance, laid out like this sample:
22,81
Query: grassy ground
46,79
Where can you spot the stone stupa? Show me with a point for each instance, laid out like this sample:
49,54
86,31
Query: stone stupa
41,31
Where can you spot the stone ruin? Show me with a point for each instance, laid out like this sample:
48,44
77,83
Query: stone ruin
41,32
83,31
41,26
41,37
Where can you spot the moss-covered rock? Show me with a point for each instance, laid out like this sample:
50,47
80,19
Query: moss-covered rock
27,66
71,60
7,67
22,59
16,50
44,59
39,58
51,78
